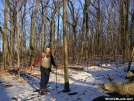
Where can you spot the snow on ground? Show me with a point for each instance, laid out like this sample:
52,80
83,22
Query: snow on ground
83,83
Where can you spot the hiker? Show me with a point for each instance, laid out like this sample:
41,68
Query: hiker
47,60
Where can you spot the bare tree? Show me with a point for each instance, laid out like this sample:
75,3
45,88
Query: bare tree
124,15
22,39
32,33
52,27
73,23
11,37
5,49
66,76
98,28
85,30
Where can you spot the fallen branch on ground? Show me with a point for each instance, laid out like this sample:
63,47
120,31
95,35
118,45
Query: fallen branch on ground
110,78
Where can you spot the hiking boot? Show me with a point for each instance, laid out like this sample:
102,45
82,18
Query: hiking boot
45,90
42,92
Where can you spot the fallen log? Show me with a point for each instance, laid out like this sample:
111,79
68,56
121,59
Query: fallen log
130,74
123,88
76,67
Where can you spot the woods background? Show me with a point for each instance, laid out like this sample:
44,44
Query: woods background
95,30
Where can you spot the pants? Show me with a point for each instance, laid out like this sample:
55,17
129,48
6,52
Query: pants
44,78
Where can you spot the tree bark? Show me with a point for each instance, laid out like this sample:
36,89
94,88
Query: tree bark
127,40
74,31
85,29
66,76
5,49
18,38
32,33
99,38
87,3
23,44
11,39
124,14
130,60
52,26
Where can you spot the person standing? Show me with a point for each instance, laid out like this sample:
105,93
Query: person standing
47,60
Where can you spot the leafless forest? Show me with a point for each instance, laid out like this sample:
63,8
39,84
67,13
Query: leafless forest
86,31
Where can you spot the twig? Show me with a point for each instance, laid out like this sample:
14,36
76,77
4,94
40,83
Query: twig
110,78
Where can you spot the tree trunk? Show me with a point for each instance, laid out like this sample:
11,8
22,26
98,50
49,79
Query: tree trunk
44,30
74,31
11,39
66,76
127,41
131,59
85,29
23,44
99,30
52,33
18,40
52,30
5,49
87,2
32,33
131,32
124,14
58,35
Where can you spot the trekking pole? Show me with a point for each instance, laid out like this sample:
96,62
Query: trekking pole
87,65
56,79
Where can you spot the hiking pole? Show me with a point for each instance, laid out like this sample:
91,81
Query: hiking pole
87,65
56,79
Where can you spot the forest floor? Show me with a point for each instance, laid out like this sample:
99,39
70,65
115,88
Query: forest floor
83,83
